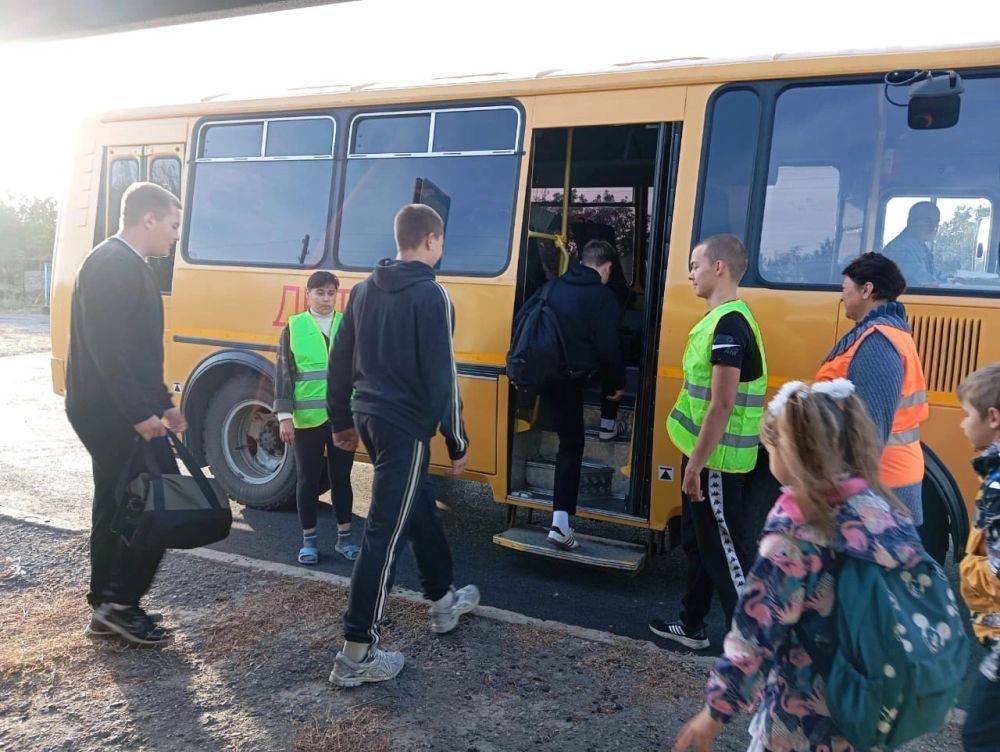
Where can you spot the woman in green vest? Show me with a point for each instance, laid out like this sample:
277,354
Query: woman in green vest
716,425
300,403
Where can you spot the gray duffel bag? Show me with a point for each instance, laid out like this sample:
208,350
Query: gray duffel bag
173,511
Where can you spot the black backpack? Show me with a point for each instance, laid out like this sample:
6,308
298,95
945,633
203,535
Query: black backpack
537,351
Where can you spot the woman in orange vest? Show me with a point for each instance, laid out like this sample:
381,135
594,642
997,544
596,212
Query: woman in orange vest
880,357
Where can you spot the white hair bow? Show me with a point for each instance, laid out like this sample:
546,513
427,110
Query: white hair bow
837,389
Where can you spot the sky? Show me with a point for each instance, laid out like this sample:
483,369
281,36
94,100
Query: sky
47,88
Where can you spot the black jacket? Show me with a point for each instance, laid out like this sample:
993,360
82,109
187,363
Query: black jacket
589,316
394,348
115,366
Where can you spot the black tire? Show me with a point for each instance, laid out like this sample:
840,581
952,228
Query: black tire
935,532
242,445
946,520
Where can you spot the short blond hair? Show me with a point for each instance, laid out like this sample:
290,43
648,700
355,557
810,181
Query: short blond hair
140,199
981,389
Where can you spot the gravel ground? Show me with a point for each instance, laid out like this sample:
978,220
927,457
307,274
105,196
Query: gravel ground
24,333
247,671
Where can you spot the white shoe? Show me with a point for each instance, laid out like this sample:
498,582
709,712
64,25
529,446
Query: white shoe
379,665
619,430
443,620
566,541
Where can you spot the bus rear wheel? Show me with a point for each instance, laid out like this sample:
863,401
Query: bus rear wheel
243,447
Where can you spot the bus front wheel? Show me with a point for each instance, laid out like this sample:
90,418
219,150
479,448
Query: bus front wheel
243,448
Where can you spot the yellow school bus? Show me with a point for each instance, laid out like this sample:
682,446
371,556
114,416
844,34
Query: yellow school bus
811,159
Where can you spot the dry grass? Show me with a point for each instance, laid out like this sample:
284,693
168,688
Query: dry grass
362,729
43,640
278,606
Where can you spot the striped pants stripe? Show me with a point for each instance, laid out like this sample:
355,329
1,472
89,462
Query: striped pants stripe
402,508
714,538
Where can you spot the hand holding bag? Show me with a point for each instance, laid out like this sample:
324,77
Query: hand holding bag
170,510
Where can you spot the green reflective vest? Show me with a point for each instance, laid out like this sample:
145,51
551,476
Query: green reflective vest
312,357
737,450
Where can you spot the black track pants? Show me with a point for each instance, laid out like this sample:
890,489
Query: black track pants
309,445
118,573
565,400
713,539
402,507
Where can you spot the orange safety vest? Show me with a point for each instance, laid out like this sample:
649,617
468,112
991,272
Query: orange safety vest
902,458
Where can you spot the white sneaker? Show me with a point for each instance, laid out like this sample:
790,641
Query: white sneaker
566,541
619,430
379,665
443,620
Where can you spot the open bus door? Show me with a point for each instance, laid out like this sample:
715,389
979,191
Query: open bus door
610,183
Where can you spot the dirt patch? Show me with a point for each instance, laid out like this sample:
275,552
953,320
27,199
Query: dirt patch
24,333
363,728
247,672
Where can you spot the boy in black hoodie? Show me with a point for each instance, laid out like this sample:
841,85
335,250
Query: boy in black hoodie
588,315
394,349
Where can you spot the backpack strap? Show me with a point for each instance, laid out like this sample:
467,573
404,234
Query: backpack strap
555,321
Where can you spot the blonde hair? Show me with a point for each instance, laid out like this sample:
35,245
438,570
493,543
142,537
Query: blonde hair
981,389
822,441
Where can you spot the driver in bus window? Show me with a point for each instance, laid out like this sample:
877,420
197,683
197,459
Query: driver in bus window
911,248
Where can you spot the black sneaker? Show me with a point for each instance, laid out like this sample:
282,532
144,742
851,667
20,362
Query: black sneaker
132,624
96,629
695,639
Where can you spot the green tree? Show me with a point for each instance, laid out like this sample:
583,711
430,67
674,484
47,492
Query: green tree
27,235
955,243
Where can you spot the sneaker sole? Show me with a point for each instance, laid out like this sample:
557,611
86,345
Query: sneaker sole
687,642
126,635
97,634
357,681
468,607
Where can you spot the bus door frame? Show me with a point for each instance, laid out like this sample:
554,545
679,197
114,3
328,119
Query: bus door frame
662,214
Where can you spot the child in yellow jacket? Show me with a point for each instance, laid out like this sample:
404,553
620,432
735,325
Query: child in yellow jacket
980,569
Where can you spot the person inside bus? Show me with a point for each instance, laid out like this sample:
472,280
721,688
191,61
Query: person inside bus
300,403
588,316
880,357
911,248
583,232
715,423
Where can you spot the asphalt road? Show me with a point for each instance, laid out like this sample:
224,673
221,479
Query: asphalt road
45,470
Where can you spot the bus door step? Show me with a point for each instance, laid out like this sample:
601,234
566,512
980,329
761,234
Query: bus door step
593,550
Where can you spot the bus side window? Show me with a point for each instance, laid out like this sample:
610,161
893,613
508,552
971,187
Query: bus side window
732,148
166,173
123,173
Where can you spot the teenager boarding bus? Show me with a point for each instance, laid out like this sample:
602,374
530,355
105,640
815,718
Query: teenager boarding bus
809,160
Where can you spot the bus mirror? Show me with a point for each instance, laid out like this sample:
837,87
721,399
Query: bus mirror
935,101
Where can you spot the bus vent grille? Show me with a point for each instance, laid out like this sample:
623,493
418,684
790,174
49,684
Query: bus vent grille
948,347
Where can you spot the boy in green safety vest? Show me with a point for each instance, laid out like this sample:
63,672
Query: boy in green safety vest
716,424
300,402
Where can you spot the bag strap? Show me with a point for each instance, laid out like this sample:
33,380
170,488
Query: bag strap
188,460
125,476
